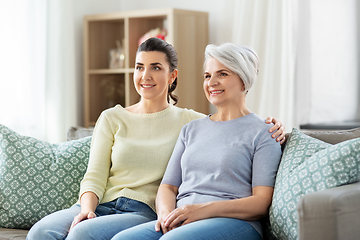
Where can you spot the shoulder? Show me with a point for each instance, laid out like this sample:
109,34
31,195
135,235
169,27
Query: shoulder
111,117
195,126
113,112
258,128
197,122
258,123
262,136
187,114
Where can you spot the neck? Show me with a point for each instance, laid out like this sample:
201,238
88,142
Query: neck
229,113
148,106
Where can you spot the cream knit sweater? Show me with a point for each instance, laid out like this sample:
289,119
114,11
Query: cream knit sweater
129,152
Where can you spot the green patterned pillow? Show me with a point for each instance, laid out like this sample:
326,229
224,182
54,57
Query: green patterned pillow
38,178
309,165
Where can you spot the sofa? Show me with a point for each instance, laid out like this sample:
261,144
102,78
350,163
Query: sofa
316,196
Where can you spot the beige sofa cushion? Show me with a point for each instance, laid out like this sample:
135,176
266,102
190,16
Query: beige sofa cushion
330,214
334,137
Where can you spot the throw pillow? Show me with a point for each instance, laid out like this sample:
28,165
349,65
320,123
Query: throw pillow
309,165
38,178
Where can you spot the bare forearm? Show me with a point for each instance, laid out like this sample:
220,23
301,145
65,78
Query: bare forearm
166,198
165,203
88,202
250,208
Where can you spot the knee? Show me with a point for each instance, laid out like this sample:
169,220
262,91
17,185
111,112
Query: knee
172,236
79,232
35,232
41,230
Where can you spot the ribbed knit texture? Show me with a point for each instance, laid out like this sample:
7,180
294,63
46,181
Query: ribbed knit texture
129,152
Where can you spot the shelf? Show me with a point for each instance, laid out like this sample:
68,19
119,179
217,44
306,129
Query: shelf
186,30
139,26
106,91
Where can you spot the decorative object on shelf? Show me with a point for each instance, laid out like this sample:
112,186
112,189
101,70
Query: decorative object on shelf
117,56
114,89
156,32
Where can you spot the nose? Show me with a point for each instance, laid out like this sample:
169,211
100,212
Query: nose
213,81
146,74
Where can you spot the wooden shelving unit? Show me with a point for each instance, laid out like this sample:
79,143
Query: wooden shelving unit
187,31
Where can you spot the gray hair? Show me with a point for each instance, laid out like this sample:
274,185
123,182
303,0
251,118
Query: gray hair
239,59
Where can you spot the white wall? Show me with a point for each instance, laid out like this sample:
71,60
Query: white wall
328,68
335,60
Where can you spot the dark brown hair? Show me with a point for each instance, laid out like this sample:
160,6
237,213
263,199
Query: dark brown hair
159,45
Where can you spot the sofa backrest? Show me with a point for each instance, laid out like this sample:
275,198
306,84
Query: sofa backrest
331,136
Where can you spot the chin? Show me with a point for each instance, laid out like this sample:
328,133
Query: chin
215,103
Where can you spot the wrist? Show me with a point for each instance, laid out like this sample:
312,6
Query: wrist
211,209
87,209
163,213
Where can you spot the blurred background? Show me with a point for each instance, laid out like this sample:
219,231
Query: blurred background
308,50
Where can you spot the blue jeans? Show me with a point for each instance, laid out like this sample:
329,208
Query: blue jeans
112,218
208,229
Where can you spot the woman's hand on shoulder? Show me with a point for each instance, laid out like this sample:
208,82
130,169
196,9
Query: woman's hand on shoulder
278,129
81,217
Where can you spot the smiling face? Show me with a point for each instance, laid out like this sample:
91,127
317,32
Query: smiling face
152,76
222,87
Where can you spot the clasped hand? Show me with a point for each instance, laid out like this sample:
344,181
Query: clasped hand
181,216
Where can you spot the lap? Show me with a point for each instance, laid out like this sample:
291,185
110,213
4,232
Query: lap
214,229
58,223
140,232
105,227
112,218
208,229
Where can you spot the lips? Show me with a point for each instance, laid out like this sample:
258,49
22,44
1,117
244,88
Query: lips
147,85
216,92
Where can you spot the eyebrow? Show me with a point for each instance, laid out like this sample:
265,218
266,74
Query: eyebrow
218,71
156,63
152,64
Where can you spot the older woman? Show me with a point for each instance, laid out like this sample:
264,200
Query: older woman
220,178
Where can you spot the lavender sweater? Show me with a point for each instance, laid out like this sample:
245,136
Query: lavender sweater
215,161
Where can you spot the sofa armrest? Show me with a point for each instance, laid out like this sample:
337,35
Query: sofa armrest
330,214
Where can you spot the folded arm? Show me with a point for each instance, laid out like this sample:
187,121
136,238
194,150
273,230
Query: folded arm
248,208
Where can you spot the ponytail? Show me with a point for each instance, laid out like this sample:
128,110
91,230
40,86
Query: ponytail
171,88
